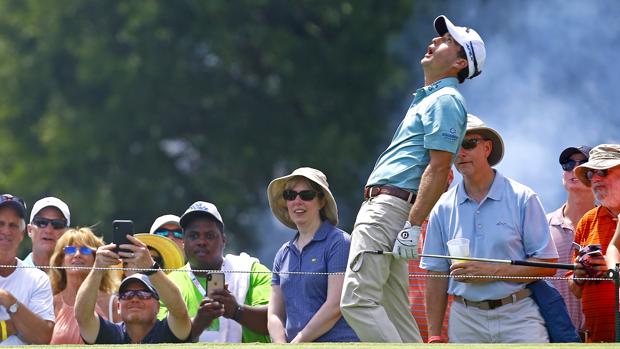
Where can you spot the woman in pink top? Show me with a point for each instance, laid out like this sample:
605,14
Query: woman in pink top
76,247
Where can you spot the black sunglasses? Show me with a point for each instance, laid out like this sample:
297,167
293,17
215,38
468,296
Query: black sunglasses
71,250
570,164
141,294
305,195
601,173
42,222
178,234
471,143
9,197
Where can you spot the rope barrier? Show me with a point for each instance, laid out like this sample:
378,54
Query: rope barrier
411,275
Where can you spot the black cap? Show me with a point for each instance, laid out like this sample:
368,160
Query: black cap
568,152
16,203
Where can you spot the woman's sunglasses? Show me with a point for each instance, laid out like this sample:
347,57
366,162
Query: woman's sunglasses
71,250
141,294
471,143
305,195
570,164
178,234
601,173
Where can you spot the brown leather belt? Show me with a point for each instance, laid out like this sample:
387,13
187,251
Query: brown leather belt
375,190
495,303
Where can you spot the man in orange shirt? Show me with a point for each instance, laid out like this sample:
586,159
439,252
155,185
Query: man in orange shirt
602,173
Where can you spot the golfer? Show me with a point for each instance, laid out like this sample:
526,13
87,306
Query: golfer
405,183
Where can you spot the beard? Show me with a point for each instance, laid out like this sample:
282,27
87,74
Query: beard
608,198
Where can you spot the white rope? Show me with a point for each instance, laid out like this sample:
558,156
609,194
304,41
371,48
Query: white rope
411,275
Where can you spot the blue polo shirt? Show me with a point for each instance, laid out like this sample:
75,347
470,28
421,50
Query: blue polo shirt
305,294
436,120
509,223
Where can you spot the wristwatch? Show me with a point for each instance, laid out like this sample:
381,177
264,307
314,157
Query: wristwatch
156,267
12,309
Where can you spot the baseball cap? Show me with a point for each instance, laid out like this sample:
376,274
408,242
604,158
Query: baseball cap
469,39
138,278
16,203
51,201
200,208
163,220
568,152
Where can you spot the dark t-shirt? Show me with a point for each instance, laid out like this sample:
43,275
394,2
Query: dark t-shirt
111,333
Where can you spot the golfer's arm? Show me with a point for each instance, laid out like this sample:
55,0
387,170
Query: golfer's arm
432,185
436,295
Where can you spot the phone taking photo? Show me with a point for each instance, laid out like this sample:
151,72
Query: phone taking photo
214,281
120,230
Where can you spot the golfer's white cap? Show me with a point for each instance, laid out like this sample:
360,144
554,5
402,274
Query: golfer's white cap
469,39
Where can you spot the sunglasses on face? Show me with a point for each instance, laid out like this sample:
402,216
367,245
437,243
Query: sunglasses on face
71,250
9,197
570,164
141,294
44,222
471,143
601,173
178,234
305,195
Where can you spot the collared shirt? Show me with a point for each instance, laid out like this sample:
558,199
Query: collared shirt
509,223
563,234
436,120
305,294
597,226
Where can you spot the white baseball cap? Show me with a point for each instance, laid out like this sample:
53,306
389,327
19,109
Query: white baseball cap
200,208
163,220
469,39
51,201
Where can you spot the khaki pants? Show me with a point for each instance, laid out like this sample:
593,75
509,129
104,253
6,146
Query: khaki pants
374,299
518,322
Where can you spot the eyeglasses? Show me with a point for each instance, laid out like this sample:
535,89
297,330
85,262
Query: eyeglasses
471,143
570,164
9,197
178,234
305,195
601,173
141,294
71,250
42,222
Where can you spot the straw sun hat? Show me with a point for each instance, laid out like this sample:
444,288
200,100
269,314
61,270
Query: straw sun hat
278,204
170,253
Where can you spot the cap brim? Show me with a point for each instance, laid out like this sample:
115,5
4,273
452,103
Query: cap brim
188,216
17,207
169,251
497,153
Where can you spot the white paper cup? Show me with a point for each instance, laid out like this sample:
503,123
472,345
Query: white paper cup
458,247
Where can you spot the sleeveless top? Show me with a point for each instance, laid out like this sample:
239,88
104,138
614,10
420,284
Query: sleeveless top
66,329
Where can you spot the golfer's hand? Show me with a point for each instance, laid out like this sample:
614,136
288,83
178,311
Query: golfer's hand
406,244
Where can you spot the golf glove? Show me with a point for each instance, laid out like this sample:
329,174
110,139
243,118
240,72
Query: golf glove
406,244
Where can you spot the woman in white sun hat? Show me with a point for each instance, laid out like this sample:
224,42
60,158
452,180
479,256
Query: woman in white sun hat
305,307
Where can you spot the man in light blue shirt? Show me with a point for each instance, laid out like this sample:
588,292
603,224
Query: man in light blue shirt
407,180
502,219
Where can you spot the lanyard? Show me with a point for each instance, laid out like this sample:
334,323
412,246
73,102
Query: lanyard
201,289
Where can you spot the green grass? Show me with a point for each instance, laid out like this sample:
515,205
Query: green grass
338,345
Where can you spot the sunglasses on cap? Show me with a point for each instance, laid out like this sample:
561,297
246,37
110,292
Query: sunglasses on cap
9,197
570,164
141,294
601,173
305,195
178,234
71,250
42,222
471,143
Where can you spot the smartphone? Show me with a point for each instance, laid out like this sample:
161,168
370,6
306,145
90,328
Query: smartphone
214,281
120,230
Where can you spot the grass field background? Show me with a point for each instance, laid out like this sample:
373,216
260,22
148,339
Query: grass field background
337,345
